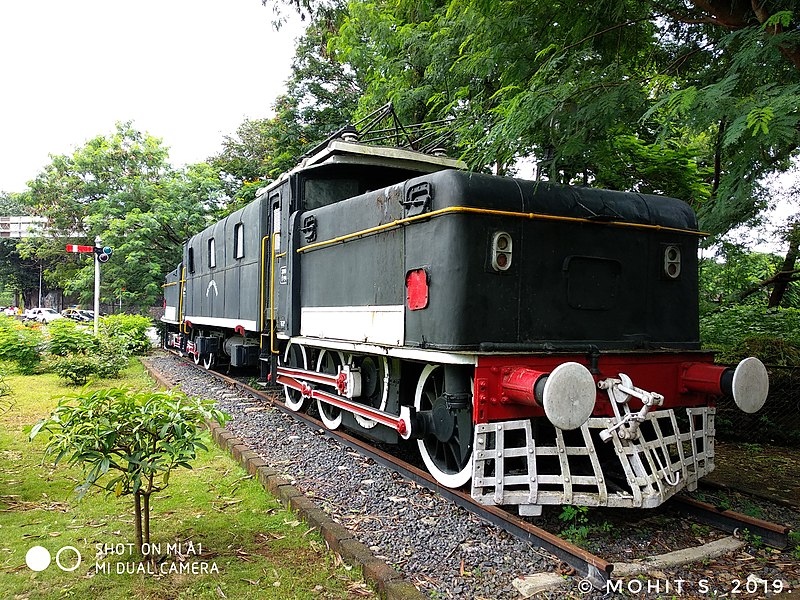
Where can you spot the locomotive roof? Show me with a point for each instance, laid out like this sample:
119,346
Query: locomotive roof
339,151
354,153
544,198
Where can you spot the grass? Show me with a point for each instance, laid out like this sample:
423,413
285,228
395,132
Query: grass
246,543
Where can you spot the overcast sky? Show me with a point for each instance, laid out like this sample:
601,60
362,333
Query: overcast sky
187,71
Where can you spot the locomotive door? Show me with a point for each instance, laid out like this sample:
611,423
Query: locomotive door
279,275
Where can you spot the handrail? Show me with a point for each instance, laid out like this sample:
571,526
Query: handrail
485,211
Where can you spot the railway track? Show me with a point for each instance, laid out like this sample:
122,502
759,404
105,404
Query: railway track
586,565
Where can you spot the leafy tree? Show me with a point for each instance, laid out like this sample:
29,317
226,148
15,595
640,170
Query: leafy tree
20,273
253,156
392,46
696,99
304,8
128,442
734,276
121,188
322,92
11,205
786,274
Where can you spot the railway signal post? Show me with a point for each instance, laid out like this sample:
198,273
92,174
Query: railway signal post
101,255
97,246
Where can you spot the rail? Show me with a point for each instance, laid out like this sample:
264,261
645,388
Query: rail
776,536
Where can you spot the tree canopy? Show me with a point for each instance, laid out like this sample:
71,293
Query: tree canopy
121,188
321,96
693,99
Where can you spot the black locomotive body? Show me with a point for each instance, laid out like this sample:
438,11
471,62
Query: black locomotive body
539,340
585,267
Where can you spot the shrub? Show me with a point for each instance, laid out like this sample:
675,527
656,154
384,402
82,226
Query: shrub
104,360
67,338
20,345
111,360
773,335
776,352
129,332
75,368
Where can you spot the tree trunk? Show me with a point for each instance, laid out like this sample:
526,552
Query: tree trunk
146,518
137,519
30,298
784,276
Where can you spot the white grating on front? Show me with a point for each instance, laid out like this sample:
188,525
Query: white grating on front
666,455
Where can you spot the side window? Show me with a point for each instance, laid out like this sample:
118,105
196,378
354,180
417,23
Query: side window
191,260
276,222
238,240
212,253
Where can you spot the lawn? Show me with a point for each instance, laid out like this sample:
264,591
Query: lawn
228,538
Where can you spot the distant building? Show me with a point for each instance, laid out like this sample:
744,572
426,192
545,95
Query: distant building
20,227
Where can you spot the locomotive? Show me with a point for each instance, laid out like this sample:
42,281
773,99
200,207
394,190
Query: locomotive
537,340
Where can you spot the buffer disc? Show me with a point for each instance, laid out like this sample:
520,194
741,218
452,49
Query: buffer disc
750,385
569,395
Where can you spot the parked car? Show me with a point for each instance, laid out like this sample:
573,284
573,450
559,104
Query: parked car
42,315
76,315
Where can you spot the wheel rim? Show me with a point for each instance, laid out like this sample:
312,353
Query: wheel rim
329,362
295,356
209,360
196,357
375,386
449,461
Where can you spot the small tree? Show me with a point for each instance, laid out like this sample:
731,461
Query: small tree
129,332
130,440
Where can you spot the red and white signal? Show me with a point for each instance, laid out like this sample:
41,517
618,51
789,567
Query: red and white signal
76,249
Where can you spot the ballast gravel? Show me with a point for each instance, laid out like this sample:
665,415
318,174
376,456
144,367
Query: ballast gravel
442,549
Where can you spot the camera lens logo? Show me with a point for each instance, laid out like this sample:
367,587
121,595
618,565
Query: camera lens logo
38,558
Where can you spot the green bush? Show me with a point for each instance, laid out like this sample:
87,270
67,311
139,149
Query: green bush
129,332
67,338
773,335
104,360
111,360
20,345
776,352
75,368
